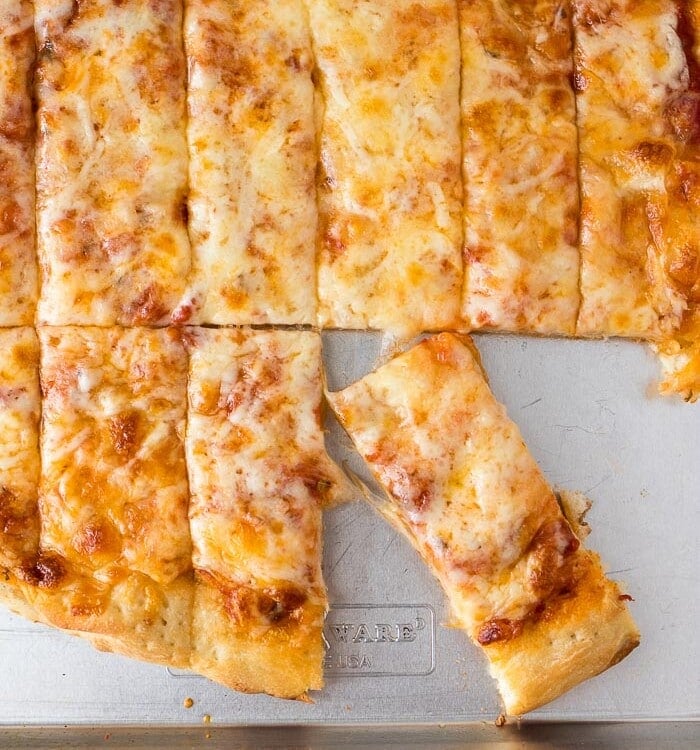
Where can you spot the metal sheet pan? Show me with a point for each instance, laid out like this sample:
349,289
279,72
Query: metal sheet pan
588,411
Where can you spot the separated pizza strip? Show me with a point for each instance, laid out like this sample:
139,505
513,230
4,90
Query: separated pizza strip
114,560
638,91
253,153
462,486
520,167
112,161
18,266
258,477
389,185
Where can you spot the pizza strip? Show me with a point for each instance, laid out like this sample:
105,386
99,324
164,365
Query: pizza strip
20,409
389,184
111,161
520,167
115,557
638,91
676,229
18,267
253,153
259,475
464,489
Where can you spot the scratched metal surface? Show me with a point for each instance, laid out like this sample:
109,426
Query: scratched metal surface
589,417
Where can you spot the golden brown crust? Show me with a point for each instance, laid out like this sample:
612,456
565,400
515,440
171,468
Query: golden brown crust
580,635
282,658
131,615
12,596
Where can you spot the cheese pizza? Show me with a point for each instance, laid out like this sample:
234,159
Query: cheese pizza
192,540
389,182
199,172
638,91
521,261
18,268
253,152
259,476
111,161
464,489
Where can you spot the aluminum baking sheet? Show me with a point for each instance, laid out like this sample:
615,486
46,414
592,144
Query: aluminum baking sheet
588,411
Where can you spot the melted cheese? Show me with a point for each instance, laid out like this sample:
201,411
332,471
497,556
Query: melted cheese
114,484
257,464
638,94
389,185
18,267
520,151
112,161
19,445
461,482
252,144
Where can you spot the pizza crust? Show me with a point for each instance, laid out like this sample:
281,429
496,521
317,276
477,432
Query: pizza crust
284,661
583,636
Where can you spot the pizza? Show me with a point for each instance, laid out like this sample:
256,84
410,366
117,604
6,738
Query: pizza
638,99
521,206
18,269
252,164
186,537
462,486
389,189
191,191
20,410
259,477
111,161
